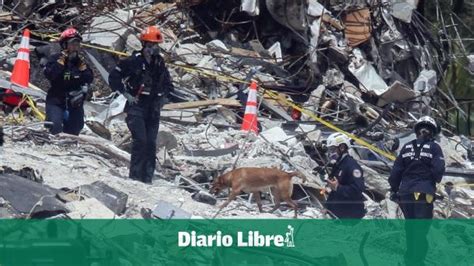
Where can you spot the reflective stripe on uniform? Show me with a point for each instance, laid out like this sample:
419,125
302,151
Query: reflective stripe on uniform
425,154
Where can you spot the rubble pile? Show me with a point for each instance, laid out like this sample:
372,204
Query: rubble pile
370,68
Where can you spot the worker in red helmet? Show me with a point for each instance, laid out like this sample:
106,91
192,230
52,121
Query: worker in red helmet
145,82
70,77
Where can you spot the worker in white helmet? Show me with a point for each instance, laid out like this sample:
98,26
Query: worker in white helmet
346,180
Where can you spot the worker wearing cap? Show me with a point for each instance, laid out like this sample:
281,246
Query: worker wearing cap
70,77
145,82
346,180
417,169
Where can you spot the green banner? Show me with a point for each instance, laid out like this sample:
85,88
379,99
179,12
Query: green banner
236,242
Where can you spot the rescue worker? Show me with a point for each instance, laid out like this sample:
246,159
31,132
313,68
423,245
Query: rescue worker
417,169
145,82
346,180
70,78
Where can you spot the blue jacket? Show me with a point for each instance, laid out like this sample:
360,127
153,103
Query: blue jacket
418,167
347,201
65,77
134,74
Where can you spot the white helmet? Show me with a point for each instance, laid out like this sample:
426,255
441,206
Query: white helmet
336,139
427,121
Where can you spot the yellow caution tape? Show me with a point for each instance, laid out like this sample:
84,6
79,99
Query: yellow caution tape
269,93
296,107
34,109
54,37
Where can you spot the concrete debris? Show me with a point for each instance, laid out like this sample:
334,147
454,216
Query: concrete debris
403,9
367,76
204,197
115,200
89,209
108,31
166,211
251,7
369,69
26,198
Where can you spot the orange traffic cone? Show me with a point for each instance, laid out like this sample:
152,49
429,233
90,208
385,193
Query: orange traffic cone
250,117
21,71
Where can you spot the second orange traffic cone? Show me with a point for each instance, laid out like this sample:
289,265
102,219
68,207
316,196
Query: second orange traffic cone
250,118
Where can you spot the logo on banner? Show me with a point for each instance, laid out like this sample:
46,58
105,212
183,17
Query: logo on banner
244,239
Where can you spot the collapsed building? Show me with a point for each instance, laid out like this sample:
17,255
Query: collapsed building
368,68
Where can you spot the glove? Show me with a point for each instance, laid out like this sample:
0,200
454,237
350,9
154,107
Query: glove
394,196
130,98
85,88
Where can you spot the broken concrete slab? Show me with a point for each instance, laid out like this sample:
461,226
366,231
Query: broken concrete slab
29,198
108,31
278,135
166,211
397,93
90,208
425,82
115,200
211,153
191,53
251,7
25,172
403,9
204,197
368,77
217,45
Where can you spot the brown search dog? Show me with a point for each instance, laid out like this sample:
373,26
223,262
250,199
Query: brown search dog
254,180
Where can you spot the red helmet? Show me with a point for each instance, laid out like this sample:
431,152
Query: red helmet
68,34
151,34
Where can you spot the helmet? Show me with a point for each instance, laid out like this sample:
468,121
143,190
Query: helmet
337,139
427,121
151,34
68,34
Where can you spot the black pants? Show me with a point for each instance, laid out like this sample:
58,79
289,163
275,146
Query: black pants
72,124
416,231
144,129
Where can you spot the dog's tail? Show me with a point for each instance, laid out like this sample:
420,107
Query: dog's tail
298,174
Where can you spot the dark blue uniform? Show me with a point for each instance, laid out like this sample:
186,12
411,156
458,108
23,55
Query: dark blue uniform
65,77
151,83
417,169
347,201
